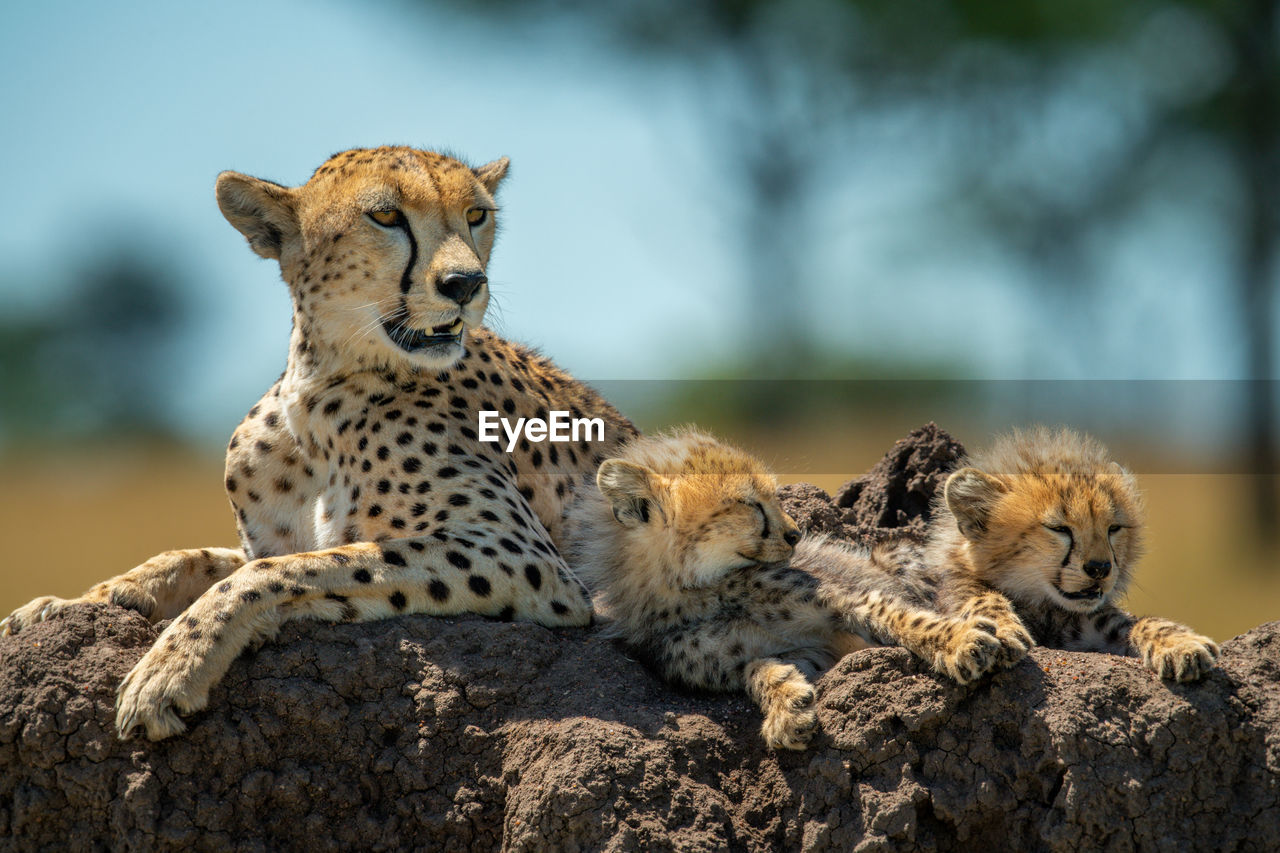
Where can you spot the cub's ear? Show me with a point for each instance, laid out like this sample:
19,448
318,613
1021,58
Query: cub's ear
260,210
970,495
491,174
632,489
1123,473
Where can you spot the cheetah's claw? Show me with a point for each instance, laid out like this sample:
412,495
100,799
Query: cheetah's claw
972,652
1184,657
1015,641
151,697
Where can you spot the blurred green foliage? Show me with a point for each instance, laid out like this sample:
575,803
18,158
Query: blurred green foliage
1059,123
96,358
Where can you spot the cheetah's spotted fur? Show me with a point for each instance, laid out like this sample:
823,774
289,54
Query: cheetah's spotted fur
359,484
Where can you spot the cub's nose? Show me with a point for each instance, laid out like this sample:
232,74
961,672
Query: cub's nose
791,537
1097,569
461,286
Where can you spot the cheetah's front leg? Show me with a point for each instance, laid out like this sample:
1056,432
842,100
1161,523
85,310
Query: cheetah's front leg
158,589
964,649
441,575
1169,649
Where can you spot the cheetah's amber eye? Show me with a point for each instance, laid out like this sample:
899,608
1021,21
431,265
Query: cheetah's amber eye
476,216
389,218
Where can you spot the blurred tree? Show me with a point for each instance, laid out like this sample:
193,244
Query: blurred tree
1058,121
1186,85
97,358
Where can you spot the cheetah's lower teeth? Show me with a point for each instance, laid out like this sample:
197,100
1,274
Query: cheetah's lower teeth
413,340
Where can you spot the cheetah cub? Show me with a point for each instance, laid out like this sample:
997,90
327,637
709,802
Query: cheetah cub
1050,521
689,551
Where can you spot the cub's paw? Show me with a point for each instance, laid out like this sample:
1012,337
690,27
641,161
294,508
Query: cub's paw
1181,657
789,721
152,694
786,698
1015,640
970,651
36,610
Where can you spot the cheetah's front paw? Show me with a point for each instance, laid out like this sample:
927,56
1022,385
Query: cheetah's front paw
1015,641
1182,657
151,696
971,651
36,610
122,593
789,719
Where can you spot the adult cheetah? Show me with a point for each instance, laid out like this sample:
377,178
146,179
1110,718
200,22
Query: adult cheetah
360,484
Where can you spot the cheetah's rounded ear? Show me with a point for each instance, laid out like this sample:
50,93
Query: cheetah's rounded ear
632,489
260,210
1123,473
970,495
491,174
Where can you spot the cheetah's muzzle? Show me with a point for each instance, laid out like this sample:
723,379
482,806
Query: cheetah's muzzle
416,340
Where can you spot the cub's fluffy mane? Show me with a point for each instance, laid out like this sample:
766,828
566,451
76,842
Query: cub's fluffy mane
1044,450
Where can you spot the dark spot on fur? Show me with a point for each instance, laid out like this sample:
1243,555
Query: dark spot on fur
533,576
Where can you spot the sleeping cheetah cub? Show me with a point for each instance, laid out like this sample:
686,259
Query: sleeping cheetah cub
1048,519
688,547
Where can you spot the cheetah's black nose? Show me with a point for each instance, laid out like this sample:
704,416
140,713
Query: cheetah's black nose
460,286
791,537
1097,569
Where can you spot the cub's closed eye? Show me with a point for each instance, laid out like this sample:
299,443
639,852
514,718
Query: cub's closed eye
476,216
1059,528
764,519
1115,528
387,218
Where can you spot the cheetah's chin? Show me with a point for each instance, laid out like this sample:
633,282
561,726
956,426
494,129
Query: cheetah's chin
416,340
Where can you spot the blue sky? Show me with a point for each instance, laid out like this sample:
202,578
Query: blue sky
617,256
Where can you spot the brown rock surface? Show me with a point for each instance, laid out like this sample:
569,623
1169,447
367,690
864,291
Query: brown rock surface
473,734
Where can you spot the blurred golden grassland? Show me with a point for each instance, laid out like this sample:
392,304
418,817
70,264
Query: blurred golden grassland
72,518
